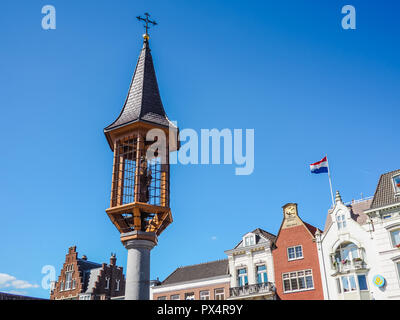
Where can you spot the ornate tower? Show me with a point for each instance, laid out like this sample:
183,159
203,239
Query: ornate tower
141,138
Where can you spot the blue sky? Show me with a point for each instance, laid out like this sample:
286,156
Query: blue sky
283,68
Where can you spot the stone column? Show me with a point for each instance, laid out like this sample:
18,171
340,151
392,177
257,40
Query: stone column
138,269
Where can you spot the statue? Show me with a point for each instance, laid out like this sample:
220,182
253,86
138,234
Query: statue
145,178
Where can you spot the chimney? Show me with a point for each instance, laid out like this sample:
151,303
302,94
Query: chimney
113,259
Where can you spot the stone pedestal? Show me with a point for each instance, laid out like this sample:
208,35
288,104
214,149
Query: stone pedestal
138,269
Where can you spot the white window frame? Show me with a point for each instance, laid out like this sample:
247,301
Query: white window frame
394,229
117,287
243,276
397,267
290,276
347,277
205,295
84,297
162,298
295,253
395,188
341,220
219,295
107,283
264,273
68,280
173,297
251,240
190,296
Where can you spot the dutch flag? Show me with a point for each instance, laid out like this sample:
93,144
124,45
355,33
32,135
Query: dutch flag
320,166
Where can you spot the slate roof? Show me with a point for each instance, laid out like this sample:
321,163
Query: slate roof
356,212
271,237
385,194
143,102
91,278
198,271
85,265
88,270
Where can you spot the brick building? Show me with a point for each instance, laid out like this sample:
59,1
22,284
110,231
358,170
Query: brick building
81,279
205,281
296,264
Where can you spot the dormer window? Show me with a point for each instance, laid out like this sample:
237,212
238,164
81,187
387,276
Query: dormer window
249,240
396,184
341,221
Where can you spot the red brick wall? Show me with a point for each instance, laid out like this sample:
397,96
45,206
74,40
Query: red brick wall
292,237
100,292
196,291
70,259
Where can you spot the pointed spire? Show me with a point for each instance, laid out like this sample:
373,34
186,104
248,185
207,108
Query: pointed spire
143,102
338,198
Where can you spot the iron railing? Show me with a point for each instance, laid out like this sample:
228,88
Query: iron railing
252,289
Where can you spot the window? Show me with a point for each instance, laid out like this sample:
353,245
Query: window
84,297
398,268
175,297
262,274
189,296
297,281
338,285
346,252
295,253
387,216
107,283
341,221
73,284
219,294
349,283
205,295
396,183
61,286
117,288
249,241
68,280
242,277
362,282
162,298
395,235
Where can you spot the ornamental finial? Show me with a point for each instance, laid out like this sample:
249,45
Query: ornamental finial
147,22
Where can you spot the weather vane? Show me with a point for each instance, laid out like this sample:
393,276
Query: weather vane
147,21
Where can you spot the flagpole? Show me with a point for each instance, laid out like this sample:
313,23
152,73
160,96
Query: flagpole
330,180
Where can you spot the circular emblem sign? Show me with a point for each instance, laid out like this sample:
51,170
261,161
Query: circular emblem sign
379,281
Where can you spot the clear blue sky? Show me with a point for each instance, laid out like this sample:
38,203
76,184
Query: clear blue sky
285,68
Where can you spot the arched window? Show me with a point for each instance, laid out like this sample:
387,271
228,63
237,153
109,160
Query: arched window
346,252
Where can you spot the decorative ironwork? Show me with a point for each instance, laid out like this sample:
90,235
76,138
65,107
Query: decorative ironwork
147,21
252,289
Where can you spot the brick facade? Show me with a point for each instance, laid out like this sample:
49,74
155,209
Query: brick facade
293,233
196,291
82,279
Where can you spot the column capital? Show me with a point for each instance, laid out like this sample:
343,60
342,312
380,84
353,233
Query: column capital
135,244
